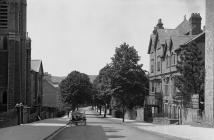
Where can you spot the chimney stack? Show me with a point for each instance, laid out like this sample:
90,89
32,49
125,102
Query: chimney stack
195,24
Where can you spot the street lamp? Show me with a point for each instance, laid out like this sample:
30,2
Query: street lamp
19,110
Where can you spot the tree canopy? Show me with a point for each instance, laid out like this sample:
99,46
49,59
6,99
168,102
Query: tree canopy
76,89
192,72
102,84
129,81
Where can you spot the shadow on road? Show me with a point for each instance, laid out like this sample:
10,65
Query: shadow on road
89,132
103,122
115,136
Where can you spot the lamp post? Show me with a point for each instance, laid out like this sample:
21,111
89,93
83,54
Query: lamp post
19,110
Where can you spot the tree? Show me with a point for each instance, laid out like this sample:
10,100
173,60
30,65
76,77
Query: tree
129,81
192,72
76,89
102,83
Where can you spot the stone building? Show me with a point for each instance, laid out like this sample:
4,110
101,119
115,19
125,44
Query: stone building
163,50
15,54
52,100
37,74
51,92
209,63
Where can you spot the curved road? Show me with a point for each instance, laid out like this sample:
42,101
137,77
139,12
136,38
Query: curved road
99,128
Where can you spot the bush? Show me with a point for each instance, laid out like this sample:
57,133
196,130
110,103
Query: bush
117,113
61,113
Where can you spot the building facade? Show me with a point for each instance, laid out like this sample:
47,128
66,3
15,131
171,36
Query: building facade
51,92
36,83
15,54
209,63
164,54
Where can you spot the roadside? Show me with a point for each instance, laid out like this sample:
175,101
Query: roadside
34,131
181,131
99,128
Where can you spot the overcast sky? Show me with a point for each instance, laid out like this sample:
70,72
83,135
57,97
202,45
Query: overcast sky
82,35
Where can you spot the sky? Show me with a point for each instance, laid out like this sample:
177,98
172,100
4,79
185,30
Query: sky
82,35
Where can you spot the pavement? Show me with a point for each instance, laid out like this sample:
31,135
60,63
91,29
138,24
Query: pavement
34,131
181,131
45,128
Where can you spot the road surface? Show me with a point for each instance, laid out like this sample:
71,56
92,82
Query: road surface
99,128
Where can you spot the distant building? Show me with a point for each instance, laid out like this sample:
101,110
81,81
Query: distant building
15,54
36,83
51,92
163,50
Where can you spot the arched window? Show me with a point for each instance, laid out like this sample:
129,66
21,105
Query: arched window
4,97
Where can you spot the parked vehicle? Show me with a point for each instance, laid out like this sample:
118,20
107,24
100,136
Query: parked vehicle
78,117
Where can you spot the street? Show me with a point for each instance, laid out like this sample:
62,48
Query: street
99,128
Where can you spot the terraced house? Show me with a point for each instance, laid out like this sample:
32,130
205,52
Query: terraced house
164,53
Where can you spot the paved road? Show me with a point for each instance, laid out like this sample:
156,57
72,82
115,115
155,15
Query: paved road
99,128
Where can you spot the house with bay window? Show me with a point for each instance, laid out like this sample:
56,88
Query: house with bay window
164,53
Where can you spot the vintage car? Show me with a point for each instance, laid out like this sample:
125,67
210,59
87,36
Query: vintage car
78,117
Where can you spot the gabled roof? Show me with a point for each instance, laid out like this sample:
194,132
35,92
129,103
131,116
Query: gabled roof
195,38
180,40
183,27
36,65
57,79
164,34
153,38
172,38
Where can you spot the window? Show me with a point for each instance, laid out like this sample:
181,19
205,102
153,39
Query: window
158,63
3,43
158,87
167,87
167,61
4,97
3,14
153,87
152,65
173,59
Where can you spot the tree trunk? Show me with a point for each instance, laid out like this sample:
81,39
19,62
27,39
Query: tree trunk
123,113
105,111
100,110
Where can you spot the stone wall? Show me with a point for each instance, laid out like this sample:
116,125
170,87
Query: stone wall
209,63
140,114
190,115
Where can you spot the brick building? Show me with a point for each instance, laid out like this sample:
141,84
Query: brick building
15,54
163,50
